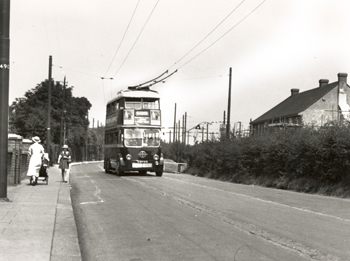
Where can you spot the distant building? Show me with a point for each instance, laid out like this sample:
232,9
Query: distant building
329,102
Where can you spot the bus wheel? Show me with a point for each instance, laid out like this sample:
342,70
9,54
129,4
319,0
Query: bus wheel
159,174
117,168
107,168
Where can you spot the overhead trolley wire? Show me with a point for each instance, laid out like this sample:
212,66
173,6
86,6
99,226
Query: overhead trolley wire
127,28
76,71
223,34
208,34
137,38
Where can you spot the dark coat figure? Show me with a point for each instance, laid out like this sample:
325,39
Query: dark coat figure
63,161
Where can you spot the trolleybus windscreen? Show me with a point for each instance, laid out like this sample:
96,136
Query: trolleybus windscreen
142,137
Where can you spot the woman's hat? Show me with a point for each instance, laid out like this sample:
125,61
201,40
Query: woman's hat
65,147
36,139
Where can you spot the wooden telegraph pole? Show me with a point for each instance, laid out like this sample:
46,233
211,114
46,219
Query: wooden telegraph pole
229,107
4,92
48,139
174,134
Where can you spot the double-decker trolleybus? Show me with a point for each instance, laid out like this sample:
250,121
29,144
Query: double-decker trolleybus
132,132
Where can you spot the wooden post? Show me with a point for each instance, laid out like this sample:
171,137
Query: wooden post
229,107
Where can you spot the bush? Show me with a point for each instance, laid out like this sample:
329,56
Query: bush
302,159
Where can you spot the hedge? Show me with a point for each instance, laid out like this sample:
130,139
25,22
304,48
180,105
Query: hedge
305,159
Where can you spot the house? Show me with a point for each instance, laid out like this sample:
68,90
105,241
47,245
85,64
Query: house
329,102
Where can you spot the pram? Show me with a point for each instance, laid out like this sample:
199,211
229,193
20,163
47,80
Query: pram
43,173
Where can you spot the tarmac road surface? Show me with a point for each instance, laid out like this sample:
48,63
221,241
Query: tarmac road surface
183,217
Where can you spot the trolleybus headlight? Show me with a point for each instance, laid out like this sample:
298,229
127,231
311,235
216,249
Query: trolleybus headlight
128,157
156,157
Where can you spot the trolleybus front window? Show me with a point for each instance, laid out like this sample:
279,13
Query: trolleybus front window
133,138
151,138
142,137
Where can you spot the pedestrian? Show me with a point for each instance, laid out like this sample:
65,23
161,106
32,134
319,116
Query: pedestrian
36,152
63,160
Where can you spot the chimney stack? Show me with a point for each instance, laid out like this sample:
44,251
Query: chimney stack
323,82
342,80
294,91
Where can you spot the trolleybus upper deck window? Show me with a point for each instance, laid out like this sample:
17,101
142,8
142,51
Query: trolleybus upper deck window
133,103
149,103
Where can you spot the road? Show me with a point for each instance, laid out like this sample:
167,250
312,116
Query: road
183,217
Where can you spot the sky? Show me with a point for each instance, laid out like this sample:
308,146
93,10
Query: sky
272,46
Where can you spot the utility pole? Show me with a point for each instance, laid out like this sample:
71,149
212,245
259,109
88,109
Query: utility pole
229,107
207,131
4,93
63,113
48,140
185,127
174,134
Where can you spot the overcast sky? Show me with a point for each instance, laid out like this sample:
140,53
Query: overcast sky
283,44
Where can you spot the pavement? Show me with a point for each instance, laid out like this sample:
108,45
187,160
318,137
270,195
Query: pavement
37,222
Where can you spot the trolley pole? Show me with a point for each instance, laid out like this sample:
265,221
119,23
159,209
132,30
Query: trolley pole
229,107
4,93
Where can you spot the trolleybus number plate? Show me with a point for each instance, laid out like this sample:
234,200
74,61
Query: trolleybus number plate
142,165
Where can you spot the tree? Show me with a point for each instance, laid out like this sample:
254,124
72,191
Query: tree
28,115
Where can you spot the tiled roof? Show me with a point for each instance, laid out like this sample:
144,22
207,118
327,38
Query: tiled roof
297,103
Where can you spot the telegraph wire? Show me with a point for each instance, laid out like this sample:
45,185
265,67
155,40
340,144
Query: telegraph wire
127,28
198,78
223,34
208,34
137,38
76,71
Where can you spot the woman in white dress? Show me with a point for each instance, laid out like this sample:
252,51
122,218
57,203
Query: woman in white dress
36,152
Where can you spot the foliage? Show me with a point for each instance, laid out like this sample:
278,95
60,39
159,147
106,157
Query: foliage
176,151
96,142
28,115
312,158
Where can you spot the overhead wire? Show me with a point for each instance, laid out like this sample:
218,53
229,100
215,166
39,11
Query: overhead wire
223,34
127,28
137,38
76,71
182,56
208,34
